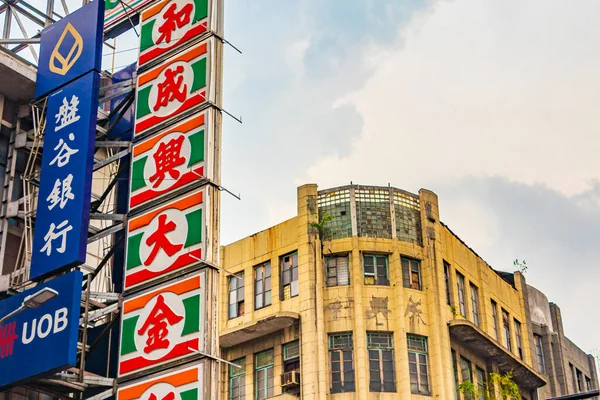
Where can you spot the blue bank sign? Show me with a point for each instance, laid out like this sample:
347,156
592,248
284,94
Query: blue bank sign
63,211
70,48
40,340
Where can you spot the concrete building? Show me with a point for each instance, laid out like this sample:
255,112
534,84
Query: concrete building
365,293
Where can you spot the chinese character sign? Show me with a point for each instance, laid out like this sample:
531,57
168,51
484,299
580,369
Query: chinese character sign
63,211
171,23
172,159
185,384
172,88
164,325
40,341
70,48
168,238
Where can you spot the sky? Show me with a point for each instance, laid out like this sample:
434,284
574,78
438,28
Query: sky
493,105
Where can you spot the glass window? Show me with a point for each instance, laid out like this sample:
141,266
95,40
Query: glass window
262,286
447,282
465,370
341,363
417,364
460,285
588,384
236,295
495,318
518,339
263,374
289,276
411,273
382,375
506,327
455,374
375,268
237,380
480,374
572,368
475,304
337,270
539,353
291,362
579,381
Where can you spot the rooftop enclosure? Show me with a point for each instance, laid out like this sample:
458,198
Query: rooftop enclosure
370,211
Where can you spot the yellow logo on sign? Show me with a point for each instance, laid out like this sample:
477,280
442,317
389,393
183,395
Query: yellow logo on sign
59,63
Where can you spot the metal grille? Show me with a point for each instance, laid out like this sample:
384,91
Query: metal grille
374,216
408,218
416,343
336,204
340,341
380,340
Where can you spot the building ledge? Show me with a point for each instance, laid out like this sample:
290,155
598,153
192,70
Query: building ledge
255,329
18,77
465,332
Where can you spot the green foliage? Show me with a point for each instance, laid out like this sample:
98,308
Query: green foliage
521,265
454,311
321,226
497,384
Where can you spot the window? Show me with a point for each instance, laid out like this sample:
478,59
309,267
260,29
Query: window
506,326
289,276
518,339
236,295
262,286
291,362
337,270
455,374
573,377
579,381
495,318
480,375
540,353
382,376
417,364
263,374
411,273
588,384
375,268
447,281
341,363
237,380
475,304
460,284
465,370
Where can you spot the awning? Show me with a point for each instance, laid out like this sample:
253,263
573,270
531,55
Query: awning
471,336
256,329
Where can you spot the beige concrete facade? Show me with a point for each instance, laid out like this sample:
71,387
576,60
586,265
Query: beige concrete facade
320,310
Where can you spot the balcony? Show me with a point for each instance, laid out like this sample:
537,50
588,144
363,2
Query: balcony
255,329
471,336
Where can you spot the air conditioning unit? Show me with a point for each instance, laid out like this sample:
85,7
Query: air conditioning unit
290,378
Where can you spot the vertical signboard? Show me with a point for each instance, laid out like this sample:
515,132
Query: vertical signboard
183,384
70,48
63,211
163,325
40,341
177,85
173,159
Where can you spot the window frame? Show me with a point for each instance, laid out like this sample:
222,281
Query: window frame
371,347
474,294
419,364
240,375
282,274
539,352
506,330
463,359
238,277
269,369
448,281
518,338
337,268
263,292
495,318
346,385
375,274
460,287
480,372
407,273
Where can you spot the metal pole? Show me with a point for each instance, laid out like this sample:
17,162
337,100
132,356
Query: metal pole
84,335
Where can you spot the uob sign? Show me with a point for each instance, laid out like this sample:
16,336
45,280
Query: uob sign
41,340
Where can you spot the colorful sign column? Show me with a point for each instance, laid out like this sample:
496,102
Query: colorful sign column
169,316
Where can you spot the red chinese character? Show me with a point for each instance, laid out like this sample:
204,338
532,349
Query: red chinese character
166,159
171,89
160,241
160,315
174,20
8,335
168,396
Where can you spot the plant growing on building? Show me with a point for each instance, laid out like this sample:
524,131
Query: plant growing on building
321,226
498,387
520,265
454,311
